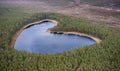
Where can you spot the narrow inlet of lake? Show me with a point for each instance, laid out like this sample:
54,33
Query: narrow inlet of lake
35,39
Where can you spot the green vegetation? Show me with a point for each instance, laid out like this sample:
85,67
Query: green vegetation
97,57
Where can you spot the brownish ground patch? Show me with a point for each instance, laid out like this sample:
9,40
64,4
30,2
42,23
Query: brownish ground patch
110,16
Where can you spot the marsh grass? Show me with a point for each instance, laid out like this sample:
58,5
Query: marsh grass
100,57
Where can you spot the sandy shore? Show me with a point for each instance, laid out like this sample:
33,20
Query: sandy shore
96,39
19,31
76,33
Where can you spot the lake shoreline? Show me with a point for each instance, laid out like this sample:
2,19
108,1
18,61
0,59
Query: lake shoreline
96,39
15,36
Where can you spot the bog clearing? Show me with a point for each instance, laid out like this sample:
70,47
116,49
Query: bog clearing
101,21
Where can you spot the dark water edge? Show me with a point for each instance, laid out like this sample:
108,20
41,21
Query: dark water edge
35,39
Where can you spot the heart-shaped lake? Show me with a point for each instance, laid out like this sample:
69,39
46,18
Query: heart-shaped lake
35,39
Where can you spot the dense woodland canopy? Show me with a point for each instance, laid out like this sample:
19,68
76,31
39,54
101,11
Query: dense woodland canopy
97,57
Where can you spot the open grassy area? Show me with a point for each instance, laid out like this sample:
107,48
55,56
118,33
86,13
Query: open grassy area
97,57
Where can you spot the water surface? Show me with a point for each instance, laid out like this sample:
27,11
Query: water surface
36,39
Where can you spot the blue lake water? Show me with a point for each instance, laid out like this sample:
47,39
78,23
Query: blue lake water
36,39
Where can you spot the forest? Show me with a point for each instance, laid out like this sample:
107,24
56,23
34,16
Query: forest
97,57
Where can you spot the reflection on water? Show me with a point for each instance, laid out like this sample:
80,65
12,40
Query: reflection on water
36,39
